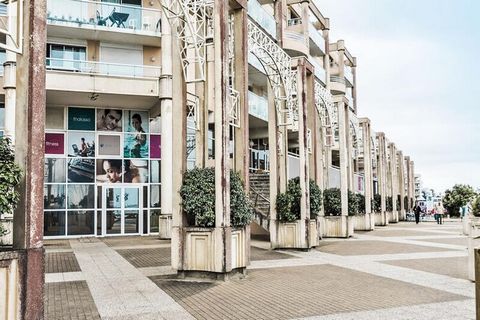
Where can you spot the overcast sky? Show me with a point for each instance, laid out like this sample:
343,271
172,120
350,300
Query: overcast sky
418,79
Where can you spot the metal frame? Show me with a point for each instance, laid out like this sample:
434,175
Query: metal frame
193,21
12,26
325,108
277,64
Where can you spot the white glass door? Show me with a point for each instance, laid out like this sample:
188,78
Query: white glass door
122,207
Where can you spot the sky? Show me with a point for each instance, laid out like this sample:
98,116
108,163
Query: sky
418,75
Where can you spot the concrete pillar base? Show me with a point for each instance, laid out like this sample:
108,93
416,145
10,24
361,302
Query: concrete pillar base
392,217
165,226
238,273
291,235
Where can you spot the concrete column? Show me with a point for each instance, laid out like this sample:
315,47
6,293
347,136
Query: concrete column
401,184
280,13
382,175
343,124
407,176
302,142
29,154
412,180
393,175
166,110
367,164
179,131
222,156
242,152
9,78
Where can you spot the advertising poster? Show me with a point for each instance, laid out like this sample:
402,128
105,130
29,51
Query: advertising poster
155,146
54,143
81,119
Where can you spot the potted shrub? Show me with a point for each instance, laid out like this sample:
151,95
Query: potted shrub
288,213
198,203
337,225
10,175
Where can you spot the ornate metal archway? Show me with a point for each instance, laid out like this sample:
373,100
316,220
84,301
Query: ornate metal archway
326,111
277,65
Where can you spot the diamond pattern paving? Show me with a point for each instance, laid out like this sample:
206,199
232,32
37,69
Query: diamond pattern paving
143,258
353,248
61,262
456,241
265,254
284,293
69,300
56,244
452,267
133,241
398,233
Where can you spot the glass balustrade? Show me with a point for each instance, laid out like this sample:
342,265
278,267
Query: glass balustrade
84,13
317,38
262,17
102,68
258,106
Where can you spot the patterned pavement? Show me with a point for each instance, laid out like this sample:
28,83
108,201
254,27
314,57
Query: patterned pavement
402,271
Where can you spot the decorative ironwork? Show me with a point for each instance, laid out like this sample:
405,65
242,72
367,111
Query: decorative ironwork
325,108
277,65
193,22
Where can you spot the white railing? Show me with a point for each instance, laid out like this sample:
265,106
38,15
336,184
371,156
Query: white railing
259,160
257,106
83,13
262,17
103,68
293,161
316,37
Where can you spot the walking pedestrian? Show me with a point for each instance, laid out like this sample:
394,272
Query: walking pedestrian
417,211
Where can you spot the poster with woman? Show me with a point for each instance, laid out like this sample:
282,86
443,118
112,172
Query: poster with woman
136,140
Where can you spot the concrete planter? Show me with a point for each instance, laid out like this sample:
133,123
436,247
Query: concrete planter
365,222
204,251
392,217
11,263
291,235
339,226
165,226
7,240
321,226
381,219
473,242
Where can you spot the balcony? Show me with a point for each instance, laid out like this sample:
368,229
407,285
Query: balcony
317,42
104,21
349,76
295,41
74,82
262,17
319,72
257,106
337,85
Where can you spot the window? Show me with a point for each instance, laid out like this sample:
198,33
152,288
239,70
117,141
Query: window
66,57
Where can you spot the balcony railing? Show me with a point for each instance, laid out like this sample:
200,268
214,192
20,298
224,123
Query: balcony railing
262,17
317,37
103,68
258,106
337,79
294,21
83,13
319,70
349,74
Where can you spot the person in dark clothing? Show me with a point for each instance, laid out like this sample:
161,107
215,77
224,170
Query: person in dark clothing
417,211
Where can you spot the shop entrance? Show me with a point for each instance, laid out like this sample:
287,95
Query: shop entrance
122,210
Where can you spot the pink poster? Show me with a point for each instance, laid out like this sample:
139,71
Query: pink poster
54,143
155,146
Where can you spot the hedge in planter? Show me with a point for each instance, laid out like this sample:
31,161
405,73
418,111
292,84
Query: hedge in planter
377,203
389,204
361,203
198,198
10,175
288,203
398,204
352,203
332,202
405,203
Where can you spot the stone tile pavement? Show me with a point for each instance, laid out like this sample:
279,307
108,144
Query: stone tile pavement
402,271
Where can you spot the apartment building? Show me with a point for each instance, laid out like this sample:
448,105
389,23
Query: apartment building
138,91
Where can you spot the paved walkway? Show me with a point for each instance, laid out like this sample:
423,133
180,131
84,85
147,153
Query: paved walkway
402,271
